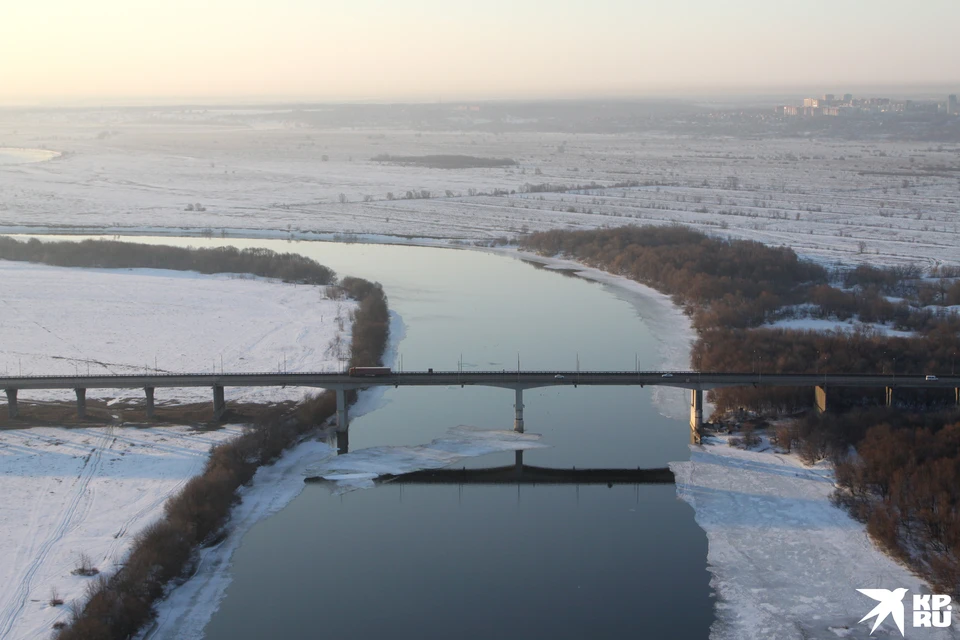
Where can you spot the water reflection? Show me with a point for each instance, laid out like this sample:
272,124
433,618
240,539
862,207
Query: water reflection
518,473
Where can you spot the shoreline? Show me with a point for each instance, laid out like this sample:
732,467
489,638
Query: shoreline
784,561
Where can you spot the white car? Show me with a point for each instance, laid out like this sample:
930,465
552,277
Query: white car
558,377
667,375
931,378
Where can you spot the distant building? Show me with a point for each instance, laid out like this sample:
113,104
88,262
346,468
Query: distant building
811,102
953,108
788,110
848,98
829,111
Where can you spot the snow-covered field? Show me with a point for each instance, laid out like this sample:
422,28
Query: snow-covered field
256,173
785,563
69,491
67,321
77,491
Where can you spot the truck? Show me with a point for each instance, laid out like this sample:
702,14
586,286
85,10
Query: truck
368,372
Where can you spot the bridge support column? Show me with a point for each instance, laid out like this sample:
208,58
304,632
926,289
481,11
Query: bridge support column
889,397
820,400
696,415
343,420
219,403
343,442
518,412
81,403
12,402
956,393
149,392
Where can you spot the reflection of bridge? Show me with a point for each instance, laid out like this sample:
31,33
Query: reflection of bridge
697,382
520,473
528,474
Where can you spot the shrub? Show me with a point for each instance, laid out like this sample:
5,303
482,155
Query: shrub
85,566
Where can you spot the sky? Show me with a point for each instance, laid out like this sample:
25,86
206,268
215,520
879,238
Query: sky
68,50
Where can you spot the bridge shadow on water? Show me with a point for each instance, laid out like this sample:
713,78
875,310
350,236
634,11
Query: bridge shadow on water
529,474
519,473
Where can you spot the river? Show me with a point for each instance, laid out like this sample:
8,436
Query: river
467,561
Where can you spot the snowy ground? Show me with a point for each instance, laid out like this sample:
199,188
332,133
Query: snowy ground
69,491
785,562
822,324
83,490
66,321
881,202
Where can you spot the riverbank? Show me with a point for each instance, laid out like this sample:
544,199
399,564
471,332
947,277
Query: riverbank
785,562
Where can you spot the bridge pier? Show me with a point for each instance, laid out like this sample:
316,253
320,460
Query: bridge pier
889,397
343,419
820,400
81,403
149,392
343,442
696,415
219,403
12,403
518,412
956,394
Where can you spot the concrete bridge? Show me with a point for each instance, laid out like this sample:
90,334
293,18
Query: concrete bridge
518,381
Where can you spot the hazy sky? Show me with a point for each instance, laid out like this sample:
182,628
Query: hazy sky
64,50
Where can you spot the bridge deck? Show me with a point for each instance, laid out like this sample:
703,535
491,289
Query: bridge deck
506,379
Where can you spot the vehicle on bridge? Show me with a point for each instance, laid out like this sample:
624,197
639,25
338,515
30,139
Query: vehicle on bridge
369,372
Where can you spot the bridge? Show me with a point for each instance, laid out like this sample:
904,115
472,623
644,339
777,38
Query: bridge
518,381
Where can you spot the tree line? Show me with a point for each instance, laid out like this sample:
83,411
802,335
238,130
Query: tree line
110,254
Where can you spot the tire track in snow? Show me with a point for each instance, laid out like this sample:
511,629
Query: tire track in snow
90,469
119,542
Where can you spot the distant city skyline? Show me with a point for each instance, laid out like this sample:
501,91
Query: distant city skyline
59,51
